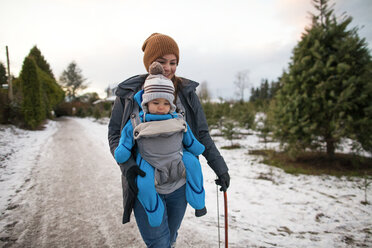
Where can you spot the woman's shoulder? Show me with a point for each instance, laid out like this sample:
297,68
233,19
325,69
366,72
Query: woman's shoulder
130,85
188,90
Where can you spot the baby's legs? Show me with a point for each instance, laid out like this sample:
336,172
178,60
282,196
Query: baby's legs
195,193
148,196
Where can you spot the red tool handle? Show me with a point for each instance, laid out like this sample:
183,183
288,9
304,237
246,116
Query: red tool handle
226,222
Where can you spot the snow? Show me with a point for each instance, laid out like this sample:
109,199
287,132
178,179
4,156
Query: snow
267,207
19,151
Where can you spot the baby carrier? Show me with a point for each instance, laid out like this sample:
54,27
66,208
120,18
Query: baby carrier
167,161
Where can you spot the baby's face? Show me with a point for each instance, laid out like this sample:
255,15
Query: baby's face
159,106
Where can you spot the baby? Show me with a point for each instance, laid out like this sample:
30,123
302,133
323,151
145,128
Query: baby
166,148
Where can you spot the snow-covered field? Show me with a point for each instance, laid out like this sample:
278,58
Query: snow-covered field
267,207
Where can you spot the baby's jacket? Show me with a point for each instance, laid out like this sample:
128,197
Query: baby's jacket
160,163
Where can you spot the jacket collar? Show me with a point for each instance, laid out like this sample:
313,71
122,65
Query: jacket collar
131,85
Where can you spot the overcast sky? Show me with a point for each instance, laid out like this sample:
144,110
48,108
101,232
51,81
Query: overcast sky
217,38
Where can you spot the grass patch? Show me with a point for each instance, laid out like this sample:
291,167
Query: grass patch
315,163
231,147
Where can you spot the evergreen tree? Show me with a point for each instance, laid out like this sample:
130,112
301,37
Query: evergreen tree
243,113
40,61
72,80
33,108
266,91
274,87
3,77
264,128
227,130
326,93
252,98
52,93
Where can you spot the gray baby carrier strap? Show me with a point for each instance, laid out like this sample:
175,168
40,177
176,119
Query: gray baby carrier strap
160,144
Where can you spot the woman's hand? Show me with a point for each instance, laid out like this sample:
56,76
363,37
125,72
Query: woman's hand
224,181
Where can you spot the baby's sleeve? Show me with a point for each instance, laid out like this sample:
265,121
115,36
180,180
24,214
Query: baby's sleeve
191,144
126,143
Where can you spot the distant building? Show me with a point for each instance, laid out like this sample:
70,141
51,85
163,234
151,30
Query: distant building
110,94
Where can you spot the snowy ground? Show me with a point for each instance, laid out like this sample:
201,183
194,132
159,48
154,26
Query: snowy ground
19,151
267,207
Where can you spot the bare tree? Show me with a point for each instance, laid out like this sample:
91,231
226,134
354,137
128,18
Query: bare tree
108,91
72,80
241,83
203,92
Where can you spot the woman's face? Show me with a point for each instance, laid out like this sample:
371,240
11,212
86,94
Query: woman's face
169,63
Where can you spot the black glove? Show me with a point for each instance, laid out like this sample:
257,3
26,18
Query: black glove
224,181
131,176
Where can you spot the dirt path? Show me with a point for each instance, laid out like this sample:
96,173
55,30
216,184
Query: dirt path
70,200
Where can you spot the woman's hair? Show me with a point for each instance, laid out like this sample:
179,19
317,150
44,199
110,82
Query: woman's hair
177,83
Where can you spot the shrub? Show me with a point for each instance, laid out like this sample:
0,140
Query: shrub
33,106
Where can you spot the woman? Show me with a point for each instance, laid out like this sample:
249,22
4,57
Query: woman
163,49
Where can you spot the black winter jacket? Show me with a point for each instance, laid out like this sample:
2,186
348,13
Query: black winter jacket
195,117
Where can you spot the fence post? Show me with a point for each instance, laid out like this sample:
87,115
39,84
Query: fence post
10,87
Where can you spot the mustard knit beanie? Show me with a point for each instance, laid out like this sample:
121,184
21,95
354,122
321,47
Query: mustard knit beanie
156,46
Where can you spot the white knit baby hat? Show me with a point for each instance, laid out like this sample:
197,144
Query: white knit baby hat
157,86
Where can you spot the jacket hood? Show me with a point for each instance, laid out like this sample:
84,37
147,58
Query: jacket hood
131,85
188,85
